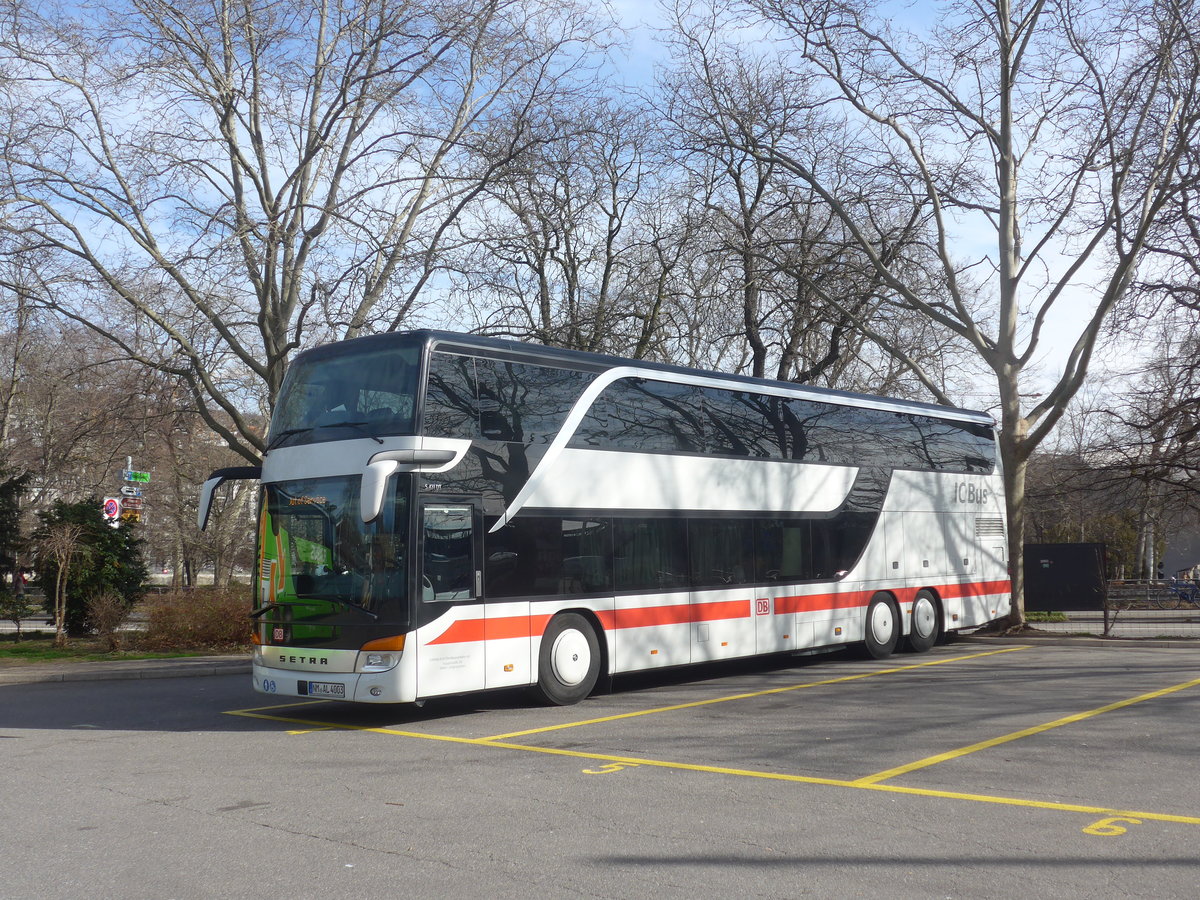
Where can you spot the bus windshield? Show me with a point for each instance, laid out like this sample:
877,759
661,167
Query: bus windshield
327,397
316,552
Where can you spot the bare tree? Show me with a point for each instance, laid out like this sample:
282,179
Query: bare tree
1056,129
225,182
557,243
806,291
62,544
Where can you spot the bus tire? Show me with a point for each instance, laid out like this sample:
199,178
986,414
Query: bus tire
883,627
926,625
568,660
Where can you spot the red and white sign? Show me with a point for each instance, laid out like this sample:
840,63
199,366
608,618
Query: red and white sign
112,507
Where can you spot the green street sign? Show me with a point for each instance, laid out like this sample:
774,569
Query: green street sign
130,475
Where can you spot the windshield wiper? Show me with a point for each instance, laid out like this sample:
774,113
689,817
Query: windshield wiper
254,614
361,609
358,425
262,610
287,432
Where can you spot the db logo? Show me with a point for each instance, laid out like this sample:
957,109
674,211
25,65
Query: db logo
763,607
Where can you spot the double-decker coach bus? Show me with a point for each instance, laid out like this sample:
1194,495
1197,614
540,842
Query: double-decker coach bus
442,513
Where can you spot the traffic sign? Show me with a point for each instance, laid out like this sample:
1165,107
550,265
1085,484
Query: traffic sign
128,490
129,475
112,507
131,503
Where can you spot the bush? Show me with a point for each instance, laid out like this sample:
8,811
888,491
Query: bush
213,619
98,558
106,613
15,609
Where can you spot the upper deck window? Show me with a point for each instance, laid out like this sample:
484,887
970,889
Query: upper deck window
345,395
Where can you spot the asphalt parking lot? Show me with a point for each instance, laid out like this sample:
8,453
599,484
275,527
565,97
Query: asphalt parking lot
976,770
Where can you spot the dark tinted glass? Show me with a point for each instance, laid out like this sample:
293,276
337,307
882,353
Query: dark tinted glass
449,561
451,406
649,554
525,403
654,415
593,430
838,542
784,549
545,555
731,427
334,397
953,446
722,551
515,402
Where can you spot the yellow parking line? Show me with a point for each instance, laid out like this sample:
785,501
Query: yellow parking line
779,690
834,782
1017,735
341,726
238,712
753,773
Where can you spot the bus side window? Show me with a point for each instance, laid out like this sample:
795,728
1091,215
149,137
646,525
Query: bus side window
451,401
449,571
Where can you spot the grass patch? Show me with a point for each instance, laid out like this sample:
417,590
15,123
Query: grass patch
1040,616
37,648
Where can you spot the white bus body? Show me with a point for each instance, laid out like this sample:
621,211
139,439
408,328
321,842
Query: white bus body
511,515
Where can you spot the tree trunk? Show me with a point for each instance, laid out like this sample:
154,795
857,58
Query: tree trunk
1016,466
60,607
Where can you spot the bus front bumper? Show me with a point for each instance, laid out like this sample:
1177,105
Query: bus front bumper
365,687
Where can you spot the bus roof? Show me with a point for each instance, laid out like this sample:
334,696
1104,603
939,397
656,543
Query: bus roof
520,351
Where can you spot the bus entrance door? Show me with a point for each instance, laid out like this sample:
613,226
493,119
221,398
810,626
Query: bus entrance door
450,649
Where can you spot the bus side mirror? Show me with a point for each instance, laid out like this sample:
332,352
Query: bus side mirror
215,480
381,466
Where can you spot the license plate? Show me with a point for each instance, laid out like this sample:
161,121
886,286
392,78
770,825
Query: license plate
323,689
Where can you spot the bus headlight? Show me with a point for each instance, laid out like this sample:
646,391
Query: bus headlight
377,662
380,655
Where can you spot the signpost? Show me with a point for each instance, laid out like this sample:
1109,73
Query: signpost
128,507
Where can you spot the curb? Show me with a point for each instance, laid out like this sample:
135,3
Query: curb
1075,640
135,670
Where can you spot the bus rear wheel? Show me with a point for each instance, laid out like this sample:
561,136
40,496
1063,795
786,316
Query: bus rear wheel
883,627
926,623
568,661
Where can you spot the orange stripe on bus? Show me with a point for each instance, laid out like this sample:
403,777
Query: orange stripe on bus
467,630
815,602
509,627
976,589
506,627
649,616
681,614
851,599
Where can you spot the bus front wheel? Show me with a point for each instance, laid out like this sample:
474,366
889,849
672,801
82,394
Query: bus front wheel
568,661
883,627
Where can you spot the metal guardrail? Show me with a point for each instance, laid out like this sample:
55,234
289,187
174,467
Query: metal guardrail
1134,609
1153,594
